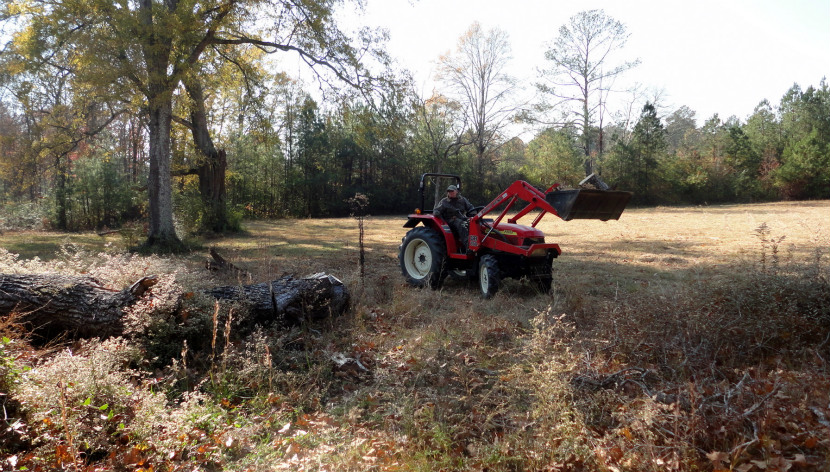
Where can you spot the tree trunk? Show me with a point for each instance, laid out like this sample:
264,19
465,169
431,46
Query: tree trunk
157,47
162,233
212,189
211,172
76,305
289,300
80,306
61,200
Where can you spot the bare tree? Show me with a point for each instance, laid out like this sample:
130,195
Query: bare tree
440,127
580,76
476,74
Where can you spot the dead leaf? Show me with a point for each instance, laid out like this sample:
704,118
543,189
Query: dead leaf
716,456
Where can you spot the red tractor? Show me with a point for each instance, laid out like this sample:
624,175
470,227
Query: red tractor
498,249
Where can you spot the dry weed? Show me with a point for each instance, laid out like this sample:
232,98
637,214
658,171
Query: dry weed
674,339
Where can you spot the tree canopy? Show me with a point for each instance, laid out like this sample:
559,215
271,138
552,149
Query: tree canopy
112,114
581,72
140,52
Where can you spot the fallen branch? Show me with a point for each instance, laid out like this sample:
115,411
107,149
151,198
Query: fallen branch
219,263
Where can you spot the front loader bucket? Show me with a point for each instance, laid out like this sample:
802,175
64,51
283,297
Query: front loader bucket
589,204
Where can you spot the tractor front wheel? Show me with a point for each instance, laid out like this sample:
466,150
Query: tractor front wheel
422,256
489,277
543,283
542,274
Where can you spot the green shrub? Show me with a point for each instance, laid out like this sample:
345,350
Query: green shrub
22,216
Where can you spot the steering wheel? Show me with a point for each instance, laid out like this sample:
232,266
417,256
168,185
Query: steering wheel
473,211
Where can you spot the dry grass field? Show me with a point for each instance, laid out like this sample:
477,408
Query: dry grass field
693,338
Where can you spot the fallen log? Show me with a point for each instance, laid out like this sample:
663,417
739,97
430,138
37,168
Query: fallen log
81,306
289,300
74,304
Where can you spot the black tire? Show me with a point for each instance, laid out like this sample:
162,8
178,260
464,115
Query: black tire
422,256
543,284
489,277
542,277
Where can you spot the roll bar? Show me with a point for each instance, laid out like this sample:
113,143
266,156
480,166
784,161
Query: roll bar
421,187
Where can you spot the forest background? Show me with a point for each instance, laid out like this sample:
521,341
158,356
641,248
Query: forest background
679,339
76,147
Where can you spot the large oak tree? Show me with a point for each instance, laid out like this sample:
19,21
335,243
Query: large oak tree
141,51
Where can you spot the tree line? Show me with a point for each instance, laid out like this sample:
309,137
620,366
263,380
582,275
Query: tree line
175,104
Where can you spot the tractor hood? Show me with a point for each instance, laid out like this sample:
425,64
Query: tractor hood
509,229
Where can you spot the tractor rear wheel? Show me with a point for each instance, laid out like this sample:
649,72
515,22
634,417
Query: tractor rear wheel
489,277
422,257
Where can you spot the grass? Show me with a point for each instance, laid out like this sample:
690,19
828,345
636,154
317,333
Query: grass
46,245
690,338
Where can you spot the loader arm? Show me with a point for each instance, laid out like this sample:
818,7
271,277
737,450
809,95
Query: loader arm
586,204
520,190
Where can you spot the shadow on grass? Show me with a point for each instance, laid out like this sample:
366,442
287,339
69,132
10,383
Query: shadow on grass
47,246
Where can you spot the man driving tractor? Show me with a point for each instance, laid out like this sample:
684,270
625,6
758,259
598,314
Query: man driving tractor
453,209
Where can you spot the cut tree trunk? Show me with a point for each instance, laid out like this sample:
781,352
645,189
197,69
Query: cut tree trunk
79,306
289,300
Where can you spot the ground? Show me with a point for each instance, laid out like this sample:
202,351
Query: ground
677,338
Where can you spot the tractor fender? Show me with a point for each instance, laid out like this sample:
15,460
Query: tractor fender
413,221
436,223
430,221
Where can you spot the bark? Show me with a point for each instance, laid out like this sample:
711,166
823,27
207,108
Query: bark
156,48
80,306
214,164
77,305
289,300
160,186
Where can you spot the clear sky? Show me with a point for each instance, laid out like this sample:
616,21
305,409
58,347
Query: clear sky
714,56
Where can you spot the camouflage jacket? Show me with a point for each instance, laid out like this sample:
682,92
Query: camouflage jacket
448,208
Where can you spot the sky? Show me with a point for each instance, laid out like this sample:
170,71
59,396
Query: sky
714,56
